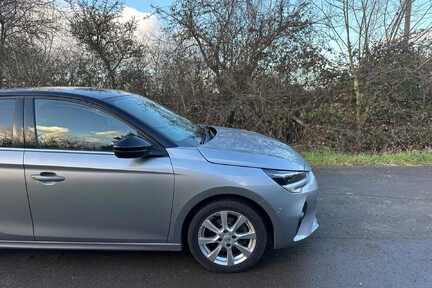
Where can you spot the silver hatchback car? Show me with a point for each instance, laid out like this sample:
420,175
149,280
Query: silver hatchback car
100,169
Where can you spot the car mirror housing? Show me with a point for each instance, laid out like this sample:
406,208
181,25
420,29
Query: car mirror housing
132,147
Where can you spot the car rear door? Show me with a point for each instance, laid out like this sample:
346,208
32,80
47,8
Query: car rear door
15,219
79,190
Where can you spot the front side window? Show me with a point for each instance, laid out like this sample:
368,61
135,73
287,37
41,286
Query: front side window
7,110
72,126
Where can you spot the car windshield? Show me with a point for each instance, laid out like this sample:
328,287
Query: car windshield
180,130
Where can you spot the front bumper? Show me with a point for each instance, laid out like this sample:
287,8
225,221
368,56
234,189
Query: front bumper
295,214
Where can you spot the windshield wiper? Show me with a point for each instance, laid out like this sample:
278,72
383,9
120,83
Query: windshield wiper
208,133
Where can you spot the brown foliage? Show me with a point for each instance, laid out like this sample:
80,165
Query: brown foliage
261,68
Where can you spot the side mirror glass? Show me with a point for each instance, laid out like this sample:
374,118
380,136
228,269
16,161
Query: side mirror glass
132,147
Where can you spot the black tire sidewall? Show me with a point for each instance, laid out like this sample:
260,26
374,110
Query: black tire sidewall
239,207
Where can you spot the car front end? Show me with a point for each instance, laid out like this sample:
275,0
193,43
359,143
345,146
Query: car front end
255,167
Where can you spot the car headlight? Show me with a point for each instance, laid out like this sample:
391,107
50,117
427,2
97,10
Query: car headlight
293,181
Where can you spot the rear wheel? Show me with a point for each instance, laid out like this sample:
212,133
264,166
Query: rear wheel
227,236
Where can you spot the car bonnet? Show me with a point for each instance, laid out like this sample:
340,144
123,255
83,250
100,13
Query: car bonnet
250,149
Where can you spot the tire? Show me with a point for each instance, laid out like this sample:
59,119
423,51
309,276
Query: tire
227,236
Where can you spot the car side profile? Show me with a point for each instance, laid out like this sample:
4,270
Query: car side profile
84,168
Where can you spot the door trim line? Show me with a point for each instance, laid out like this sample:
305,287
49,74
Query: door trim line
91,245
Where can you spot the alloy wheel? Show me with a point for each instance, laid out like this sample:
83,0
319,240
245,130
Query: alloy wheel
227,238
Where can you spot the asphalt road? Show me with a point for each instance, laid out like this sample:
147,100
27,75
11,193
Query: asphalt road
375,231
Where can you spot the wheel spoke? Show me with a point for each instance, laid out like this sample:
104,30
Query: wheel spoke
224,219
240,221
244,250
206,240
209,225
247,235
230,257
212,255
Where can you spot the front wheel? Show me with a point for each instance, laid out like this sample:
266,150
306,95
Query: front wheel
227,236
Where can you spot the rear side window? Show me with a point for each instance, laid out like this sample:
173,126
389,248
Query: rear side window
73,126
7,109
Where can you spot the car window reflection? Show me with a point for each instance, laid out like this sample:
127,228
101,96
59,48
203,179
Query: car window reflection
67,125
7,107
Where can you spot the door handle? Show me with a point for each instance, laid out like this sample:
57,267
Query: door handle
47,178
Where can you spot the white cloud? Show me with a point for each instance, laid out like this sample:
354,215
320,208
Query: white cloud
148,25
51,129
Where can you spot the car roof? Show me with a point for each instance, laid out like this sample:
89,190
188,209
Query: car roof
77,92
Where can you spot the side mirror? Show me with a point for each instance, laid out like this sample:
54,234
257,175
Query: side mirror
132,147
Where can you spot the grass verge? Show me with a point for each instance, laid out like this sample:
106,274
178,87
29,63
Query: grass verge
327,157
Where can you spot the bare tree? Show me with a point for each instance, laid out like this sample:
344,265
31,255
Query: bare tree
97,27
23,24
239,41
236,37
355,27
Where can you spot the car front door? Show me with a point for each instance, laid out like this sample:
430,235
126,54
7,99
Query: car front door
80,191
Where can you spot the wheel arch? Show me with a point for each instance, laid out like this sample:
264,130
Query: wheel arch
183,218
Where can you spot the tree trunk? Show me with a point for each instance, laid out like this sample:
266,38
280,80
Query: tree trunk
359,100
407,21
356,81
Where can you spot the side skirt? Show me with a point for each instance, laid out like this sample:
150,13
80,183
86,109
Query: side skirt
90,246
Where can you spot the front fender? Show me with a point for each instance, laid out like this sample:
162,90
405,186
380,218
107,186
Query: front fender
179,216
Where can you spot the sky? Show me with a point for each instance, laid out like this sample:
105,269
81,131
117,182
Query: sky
145,5
147,25
139,9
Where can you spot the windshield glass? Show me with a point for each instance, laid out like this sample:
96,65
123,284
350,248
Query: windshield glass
180,130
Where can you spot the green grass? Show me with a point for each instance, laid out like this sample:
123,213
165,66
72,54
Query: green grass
327,157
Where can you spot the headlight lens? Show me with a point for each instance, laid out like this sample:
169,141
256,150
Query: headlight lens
292,181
